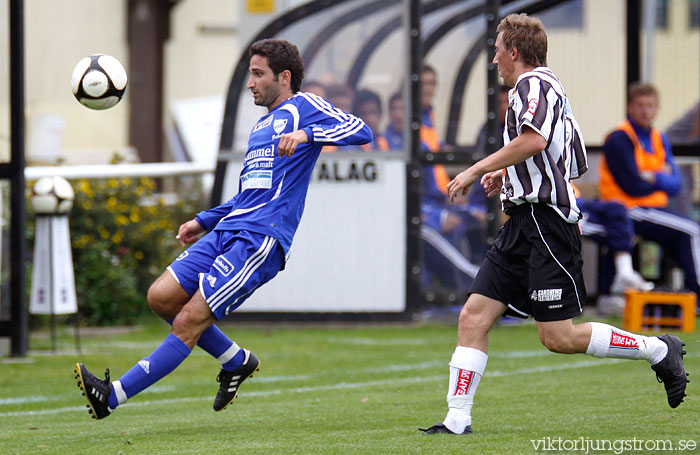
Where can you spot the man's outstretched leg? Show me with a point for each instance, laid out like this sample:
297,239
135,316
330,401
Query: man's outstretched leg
664,353
468,363
188,325
167,296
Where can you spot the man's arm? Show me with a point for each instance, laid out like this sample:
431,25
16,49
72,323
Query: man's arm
328,125
207,219
528,144
619,156
669,181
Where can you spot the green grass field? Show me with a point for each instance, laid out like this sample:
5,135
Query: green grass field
332,390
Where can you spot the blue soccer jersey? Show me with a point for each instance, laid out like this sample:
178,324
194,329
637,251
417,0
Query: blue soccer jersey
272,189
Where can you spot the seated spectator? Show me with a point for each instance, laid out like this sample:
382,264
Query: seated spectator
315,87
340,96
368,107
394,132
638,171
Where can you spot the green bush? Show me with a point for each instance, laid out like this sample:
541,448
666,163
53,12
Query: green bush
122,237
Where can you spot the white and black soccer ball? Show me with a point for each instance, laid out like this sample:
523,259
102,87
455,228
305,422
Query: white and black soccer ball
52,195
98,81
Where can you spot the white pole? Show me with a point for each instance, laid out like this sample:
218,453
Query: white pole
649,19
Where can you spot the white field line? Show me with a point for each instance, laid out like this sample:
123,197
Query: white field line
338,386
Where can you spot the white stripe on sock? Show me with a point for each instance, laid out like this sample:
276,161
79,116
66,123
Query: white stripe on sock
229,353
119,392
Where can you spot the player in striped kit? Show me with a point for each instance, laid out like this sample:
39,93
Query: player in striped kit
249,236
534,266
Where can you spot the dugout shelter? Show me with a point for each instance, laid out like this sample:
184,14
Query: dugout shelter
359,250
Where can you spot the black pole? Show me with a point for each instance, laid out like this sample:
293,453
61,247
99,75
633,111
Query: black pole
493,124
18,310
414,188
634,56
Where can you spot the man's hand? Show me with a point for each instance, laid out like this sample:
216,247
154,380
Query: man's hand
461,183
288,142
188,232
492,182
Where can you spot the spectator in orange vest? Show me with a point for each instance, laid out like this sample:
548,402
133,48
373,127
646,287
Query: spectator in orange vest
638,170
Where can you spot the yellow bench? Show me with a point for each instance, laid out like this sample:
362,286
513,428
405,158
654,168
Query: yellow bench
682,317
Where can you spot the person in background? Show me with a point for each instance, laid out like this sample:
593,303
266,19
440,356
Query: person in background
315,87
394,131
638,170
368,107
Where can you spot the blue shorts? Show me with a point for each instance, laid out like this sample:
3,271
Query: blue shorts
227,266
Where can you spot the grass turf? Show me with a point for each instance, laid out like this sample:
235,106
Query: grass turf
330,390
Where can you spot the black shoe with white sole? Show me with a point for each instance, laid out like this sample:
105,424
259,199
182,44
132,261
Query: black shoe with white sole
95,390
230,381
671,370
440,428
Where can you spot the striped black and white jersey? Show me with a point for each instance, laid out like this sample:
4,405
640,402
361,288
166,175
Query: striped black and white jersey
538,100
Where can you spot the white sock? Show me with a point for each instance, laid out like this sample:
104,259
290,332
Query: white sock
466,368
119,392
229,353
623,264
609,341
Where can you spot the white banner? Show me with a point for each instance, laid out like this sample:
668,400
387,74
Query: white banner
349,252
53,282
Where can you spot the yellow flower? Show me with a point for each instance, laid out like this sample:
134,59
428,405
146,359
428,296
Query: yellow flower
138,255
122,220
82,241
134,217
84,187
104,233
118,237
112,183
126,181
111,203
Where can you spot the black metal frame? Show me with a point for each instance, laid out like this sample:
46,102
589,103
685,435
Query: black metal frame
16,327
418,48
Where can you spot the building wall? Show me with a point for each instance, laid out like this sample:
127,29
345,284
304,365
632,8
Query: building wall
207,37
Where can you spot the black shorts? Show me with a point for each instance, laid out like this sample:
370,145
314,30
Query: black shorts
534,266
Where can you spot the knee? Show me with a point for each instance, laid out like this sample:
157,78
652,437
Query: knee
617,210
156,298
472,321
556,341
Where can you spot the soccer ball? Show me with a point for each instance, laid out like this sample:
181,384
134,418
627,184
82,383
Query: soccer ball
98,81
52,195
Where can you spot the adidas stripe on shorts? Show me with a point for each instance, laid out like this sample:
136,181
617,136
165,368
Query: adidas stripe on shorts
227,267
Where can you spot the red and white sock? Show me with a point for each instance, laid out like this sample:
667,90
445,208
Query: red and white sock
609,341
466,368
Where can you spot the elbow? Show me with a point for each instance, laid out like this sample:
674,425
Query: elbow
369,136
541,142
674,190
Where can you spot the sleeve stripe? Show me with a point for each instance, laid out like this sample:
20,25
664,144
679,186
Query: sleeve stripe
295,114
319,103
323,137
349,126
339,129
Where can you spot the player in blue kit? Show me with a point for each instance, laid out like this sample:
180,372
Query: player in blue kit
250,235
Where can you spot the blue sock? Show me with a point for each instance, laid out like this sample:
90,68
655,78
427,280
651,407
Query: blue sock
214,342
221,347
235,362
151,369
